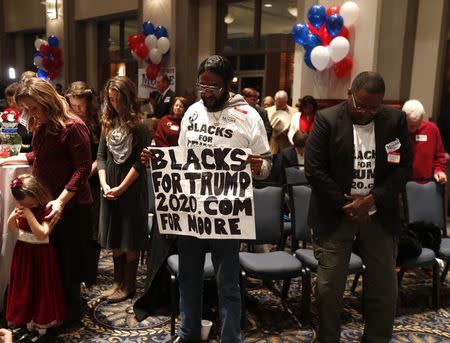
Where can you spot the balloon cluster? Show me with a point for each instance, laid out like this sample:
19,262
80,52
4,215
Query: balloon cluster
325,37
151,46
48,58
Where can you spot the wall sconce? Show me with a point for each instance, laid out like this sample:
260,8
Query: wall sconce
228,19
12,73
293,11
51,9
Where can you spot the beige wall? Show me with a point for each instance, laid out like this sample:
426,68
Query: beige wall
207,10
428,61
86,9
23,15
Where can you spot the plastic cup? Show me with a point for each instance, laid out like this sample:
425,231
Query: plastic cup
206,328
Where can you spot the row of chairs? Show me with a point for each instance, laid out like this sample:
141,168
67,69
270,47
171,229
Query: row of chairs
300,261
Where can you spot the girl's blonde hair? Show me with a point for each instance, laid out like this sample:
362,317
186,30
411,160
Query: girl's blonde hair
129,106
54,105
81,90
27,185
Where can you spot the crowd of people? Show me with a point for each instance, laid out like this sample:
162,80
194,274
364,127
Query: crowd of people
88,190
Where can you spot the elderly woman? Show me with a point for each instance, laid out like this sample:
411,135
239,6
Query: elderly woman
61,162
429,155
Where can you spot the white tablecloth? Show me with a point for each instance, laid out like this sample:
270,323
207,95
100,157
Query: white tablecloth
7,238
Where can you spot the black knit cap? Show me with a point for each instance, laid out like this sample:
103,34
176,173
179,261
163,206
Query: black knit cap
218,65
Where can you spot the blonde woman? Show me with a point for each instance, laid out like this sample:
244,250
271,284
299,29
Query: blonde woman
61,162
124,204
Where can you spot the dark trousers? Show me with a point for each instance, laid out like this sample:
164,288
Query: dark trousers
378,249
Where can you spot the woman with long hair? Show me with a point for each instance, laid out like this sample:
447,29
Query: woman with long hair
123,179
61,162
168,129
83,101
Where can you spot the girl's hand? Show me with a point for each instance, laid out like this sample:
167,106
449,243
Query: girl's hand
26,212
57,208
105,189
5,336
18,212
114,193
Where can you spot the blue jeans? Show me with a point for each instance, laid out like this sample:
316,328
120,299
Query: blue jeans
225,258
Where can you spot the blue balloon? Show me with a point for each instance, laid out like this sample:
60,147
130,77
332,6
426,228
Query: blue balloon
38,54
300,33
160,31
335,22
148,28
312,41
53,42
317,15
42,74
307,59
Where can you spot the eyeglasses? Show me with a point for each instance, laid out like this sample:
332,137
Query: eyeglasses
205,88
362,109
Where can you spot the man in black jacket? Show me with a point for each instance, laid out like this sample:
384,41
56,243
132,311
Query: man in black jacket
166,96
357,160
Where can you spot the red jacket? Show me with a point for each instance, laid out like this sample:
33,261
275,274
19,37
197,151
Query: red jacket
429,156
167,131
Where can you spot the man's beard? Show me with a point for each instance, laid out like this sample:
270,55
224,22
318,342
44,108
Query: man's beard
214,104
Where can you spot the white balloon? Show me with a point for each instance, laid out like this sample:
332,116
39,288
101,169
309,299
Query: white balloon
38,42
163,44
320,57
349,12
151,41
338,48
155,55
37,61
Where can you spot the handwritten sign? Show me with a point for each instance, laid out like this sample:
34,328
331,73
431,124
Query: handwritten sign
203,192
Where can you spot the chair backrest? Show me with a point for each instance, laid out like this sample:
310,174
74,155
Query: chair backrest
268,215
426,202
295,175
151,192
300,196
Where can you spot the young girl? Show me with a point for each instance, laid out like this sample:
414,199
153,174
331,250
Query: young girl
35,293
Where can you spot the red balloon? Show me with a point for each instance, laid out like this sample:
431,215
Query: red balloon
325,37
141,50
344,33
56,53
57,64
52,74
333,10
47,64
44,48
135,40
343,68
152,71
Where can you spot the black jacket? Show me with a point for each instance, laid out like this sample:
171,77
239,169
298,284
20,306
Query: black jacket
164,104
329,166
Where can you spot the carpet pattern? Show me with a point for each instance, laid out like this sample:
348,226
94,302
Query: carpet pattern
269,320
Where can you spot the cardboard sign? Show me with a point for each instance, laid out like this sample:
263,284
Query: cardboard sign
203,192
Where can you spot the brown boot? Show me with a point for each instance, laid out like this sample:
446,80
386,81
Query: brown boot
119,272
128,286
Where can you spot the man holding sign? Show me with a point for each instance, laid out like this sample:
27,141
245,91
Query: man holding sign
218,120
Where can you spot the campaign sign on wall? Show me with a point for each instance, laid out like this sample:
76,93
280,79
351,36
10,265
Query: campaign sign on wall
146,86
203,192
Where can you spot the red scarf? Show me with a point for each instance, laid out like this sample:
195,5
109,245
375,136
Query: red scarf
306,123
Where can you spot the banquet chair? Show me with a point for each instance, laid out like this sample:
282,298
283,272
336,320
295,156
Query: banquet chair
276,265
424,202
299,197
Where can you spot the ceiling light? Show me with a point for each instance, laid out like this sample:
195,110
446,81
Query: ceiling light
228,19
268,5
12,73
293,11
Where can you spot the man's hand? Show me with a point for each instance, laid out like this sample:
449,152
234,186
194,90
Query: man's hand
57,207
358,208
146,154
440,177
255,162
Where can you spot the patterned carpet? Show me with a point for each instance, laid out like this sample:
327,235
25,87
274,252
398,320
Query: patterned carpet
268,320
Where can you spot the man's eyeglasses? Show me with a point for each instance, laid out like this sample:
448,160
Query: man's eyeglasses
362,109
205,88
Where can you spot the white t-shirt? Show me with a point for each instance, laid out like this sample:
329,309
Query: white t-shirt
364,160
238,125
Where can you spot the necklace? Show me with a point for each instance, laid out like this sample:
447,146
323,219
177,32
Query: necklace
217,119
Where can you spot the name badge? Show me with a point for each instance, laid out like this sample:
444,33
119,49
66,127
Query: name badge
393,157
167,99
421,138
174,127
392,146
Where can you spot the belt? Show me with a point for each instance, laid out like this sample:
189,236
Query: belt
29,237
